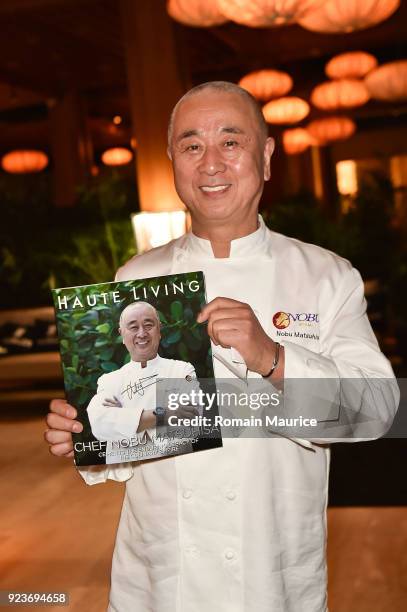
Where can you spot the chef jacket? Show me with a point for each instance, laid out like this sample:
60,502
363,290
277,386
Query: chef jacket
242,528
135,389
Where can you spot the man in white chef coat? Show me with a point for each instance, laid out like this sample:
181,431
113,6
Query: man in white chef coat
240,528
125,405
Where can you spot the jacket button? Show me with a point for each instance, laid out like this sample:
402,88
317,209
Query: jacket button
187,494
229,554
231,495
192,550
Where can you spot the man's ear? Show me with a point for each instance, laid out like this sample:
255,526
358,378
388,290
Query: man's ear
268,152
169,152
120,333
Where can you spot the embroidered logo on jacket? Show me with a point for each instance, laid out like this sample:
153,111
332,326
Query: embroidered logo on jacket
303,323
281,319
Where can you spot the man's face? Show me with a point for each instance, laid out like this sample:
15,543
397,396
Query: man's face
220,157
140,330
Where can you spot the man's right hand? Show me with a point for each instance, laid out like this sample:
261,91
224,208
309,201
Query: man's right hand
61,423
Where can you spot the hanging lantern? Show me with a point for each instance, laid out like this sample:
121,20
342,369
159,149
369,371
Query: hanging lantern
196,13
329,129
388,82
348,15
286,110
24,162
352,65
297,140
266,13
267,84
117,156
345,93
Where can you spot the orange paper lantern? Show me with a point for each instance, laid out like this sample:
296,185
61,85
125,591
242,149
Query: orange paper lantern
196,13
297,140
24,162
264,13
286,110
267,84
388,82
348,15
352,65
329,129
345,93
116,156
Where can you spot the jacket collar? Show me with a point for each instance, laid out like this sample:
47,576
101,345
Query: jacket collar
152,363
256,244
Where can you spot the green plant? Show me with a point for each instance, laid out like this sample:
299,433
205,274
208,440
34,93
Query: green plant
43,246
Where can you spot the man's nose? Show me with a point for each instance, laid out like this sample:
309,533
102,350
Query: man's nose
211,161
141,332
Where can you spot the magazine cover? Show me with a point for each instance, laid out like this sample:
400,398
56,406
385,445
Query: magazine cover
125,348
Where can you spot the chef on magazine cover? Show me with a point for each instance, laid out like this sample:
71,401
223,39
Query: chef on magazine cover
125,405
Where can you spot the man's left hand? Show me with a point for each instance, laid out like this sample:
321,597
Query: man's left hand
234,324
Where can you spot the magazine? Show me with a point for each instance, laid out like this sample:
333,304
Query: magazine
126,348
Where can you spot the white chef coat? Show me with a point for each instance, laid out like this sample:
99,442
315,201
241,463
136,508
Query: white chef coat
243,528
135,388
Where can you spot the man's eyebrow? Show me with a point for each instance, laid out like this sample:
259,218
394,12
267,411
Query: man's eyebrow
232,130
187,134
227,129
146,320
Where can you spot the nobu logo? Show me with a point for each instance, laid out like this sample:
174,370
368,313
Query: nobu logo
281,319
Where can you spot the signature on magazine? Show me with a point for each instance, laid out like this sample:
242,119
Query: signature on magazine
138,387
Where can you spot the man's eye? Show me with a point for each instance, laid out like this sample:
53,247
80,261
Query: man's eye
192,147
230,144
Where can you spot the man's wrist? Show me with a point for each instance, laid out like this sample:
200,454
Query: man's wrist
274,362
160,416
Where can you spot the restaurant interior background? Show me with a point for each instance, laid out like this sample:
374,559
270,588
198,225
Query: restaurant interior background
86,88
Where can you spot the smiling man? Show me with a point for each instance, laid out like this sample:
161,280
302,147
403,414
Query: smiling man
220,161
139,327
240,528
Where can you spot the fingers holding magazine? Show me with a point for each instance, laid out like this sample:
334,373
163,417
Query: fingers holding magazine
61,423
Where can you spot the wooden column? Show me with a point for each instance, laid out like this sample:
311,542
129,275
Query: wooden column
294,178
71,147
325,189
154,86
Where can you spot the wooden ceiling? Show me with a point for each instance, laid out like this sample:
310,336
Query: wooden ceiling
48,47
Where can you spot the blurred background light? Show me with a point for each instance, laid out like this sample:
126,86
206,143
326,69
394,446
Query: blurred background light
117,156
153,229
352,65
297,140
24,161
346,177
339,16
388,82
344,93
265,13
329,129
196,13
286,110
267,84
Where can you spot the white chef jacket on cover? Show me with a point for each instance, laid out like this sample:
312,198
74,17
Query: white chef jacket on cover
135,388
243,528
